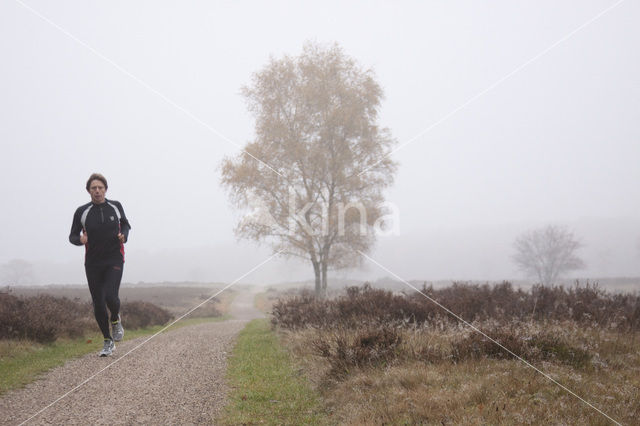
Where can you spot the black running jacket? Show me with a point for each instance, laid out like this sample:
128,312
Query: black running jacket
102,223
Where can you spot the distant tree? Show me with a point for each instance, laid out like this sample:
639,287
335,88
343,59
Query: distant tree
315,173
547,253
17,272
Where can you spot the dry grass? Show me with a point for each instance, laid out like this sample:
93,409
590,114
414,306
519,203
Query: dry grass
441,372
477,390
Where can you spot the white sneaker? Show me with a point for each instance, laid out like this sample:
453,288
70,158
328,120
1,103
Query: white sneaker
116,330
108,348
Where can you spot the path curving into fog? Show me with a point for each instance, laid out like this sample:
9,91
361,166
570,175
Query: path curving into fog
243,306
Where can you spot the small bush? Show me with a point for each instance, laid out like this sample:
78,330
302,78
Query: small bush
539,347
364,348
476,346
143,314
300,311
208,310
554,348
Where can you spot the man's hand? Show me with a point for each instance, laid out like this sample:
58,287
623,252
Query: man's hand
83,237
121,237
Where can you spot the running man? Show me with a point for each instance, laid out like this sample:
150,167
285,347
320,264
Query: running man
102,227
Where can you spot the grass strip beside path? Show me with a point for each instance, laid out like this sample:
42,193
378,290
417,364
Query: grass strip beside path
265,387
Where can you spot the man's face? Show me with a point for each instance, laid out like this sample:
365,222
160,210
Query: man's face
97,191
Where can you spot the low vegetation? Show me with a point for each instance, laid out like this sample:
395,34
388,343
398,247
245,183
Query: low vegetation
588,305
42,318
378,357
175,297
45,318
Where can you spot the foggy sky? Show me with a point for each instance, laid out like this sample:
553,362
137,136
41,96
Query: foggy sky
148,93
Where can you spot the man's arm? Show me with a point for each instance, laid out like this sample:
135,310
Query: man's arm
125,226
76,228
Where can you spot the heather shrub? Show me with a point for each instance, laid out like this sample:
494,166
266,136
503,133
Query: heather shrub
300,311
536,347
367,327
359,306
348,349
368,347
476,346
475,302
208,310
44,318
143,314
472,302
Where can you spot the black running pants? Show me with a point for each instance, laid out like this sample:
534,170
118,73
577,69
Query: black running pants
104,284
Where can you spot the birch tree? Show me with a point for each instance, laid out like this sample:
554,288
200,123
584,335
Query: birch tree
311,181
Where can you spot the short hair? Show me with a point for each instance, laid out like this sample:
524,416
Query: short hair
97,176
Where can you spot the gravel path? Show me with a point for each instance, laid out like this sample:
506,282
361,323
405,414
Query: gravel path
175,378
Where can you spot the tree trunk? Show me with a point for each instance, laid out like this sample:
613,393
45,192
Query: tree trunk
324,280
318,288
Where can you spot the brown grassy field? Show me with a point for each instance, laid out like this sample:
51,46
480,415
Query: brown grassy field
376,365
